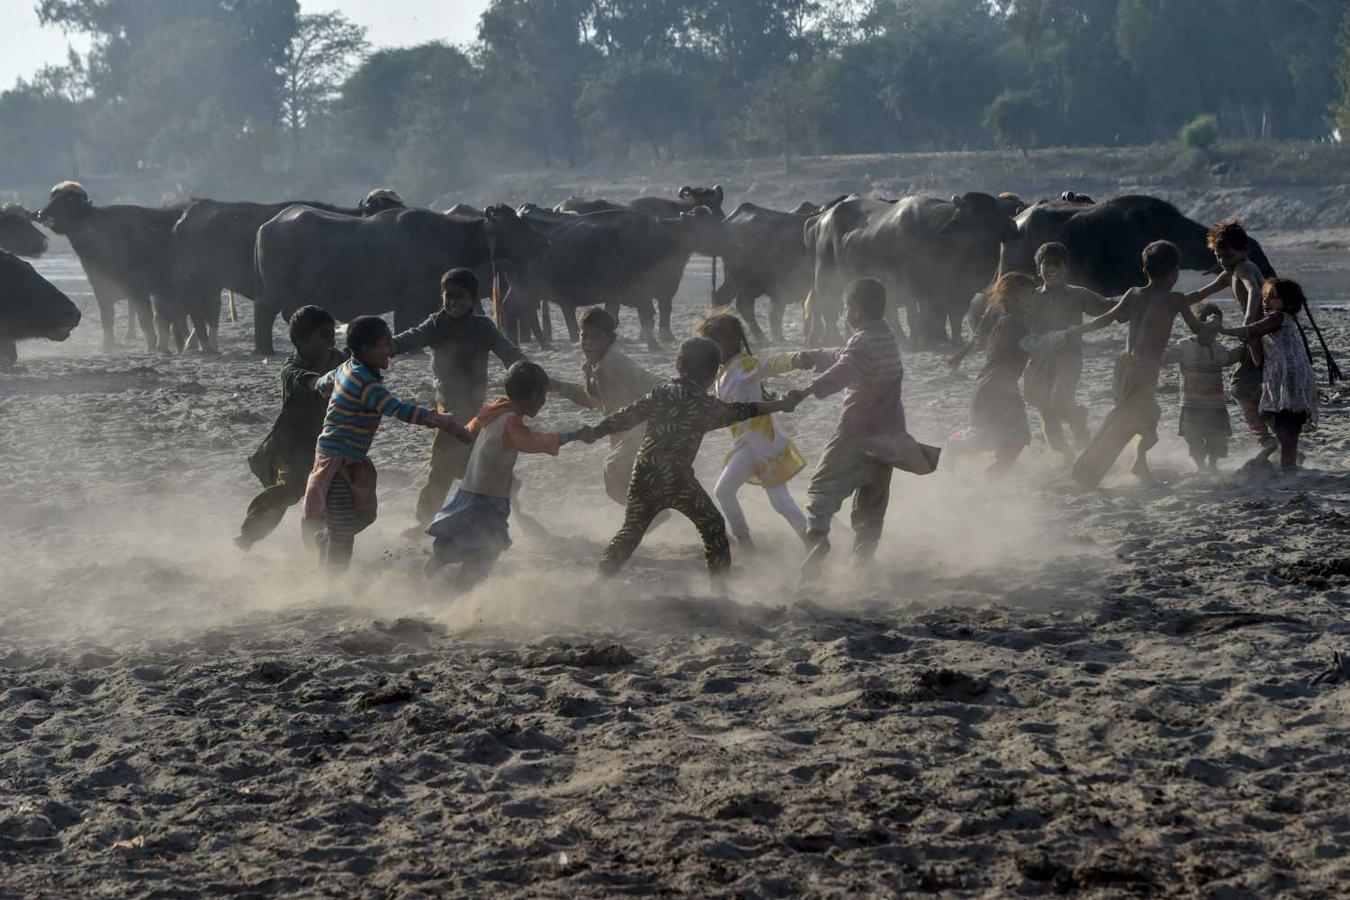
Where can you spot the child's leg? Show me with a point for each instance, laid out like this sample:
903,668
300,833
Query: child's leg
1288,427
342,525
694,503
449,458
870,503
739,469
1005,455
837,476
637,517
443,553
267,509
780,498
475,569
1199,448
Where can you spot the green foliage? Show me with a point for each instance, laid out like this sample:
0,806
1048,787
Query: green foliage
252,97
1201,133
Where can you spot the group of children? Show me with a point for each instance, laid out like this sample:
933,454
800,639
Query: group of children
655,427
1036,330
333,403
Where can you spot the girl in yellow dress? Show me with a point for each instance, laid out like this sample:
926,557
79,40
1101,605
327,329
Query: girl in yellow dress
761,453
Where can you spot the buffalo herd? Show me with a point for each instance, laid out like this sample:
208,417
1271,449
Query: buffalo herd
172,263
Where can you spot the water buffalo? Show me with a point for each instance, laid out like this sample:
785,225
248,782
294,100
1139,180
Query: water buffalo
765,257
213,251
30,307
686,200
931,254
621,257
1106,239
127,253
392,261
18,234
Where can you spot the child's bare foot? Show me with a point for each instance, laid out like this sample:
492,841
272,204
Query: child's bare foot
243,543
1141,471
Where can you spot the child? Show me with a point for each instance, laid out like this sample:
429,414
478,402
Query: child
870,439
678,414
1150,312
998,417
460,338
1204,409
613,381
760,453
1289,397
1231,245
1052,377
341,488
283,460
473,529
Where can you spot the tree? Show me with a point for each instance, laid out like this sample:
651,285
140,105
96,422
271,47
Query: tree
637,99
1015,119
324,50
782,112
1340,111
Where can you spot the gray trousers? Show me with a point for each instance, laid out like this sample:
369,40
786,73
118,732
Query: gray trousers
847,469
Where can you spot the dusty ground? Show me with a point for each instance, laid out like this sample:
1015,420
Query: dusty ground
1037,690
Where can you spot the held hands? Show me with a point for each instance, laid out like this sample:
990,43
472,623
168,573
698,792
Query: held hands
448,424
791,400
586,434
955,360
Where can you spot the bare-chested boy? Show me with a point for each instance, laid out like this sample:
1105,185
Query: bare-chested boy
1150,311
1230,244
1052,377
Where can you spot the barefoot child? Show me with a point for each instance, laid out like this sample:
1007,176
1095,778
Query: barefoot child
341,487
1150,312
761,452
998,417
870,440
1289,397
460,338
678,414
473,529
283,461
1231,246
612,381
1052,376
1204,408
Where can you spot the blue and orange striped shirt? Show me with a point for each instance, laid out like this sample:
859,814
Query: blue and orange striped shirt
355,408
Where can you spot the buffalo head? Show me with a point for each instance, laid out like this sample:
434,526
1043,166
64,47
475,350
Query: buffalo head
703,231
379,200
1011,204
18,234
980,216
514,240
702,196
30,305
68,204
1075,197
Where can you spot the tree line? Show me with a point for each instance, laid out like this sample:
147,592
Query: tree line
237,95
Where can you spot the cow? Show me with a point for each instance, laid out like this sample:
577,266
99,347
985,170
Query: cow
1105,240
765,256
932,255
127,253
18,234
30,307
392,261
213,245
621,257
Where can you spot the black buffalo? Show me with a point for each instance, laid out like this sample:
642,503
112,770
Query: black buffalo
1105,240
388,262
18,234
931,254
765,256
213,251
620,257
127,253
30,307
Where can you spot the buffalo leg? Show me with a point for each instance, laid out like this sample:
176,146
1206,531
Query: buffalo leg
131,325
725,294
776,311
145,316
107,319
666,305
954,316
570,318
647,322
9,353
264,314
745,305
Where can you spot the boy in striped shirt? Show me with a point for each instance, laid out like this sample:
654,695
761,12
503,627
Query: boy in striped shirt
341,487
871,439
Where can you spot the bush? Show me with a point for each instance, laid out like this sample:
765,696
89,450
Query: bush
1015,119
1201,133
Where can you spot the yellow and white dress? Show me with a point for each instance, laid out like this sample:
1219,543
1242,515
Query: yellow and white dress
761,451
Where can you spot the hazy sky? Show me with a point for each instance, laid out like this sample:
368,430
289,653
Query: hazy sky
25,46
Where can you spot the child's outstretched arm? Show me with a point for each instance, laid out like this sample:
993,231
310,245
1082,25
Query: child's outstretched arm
573,392
416,338
520,437
1193,323
1225,280
1110,317
626,419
